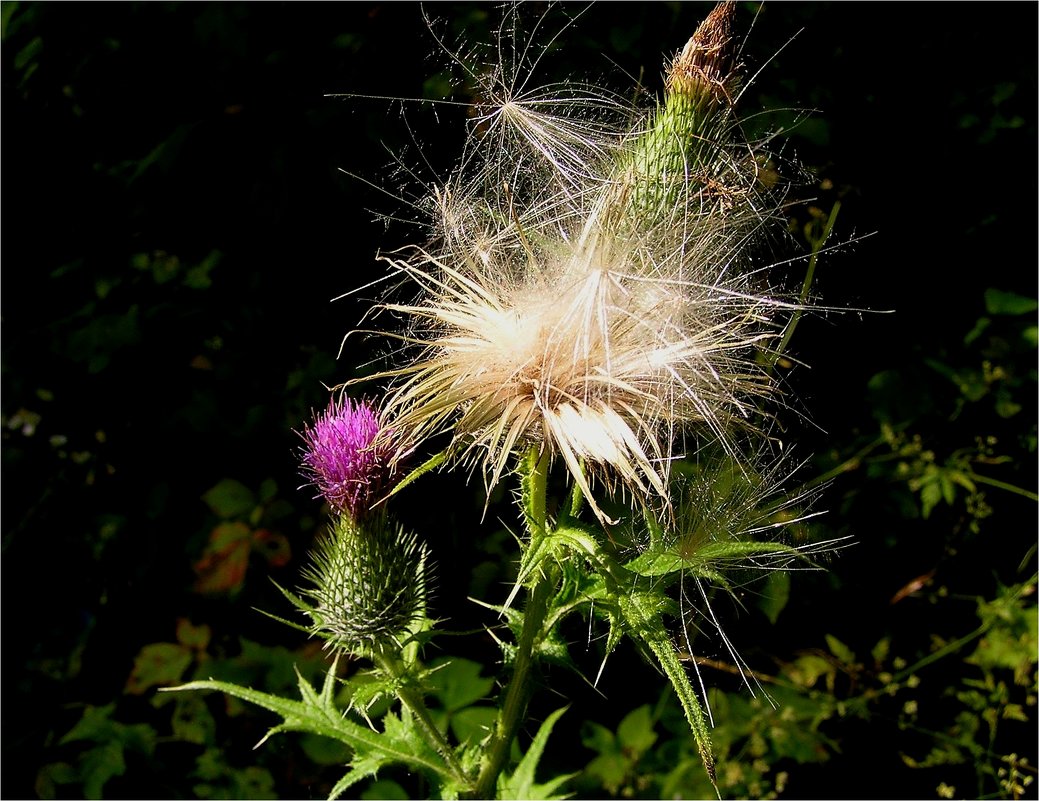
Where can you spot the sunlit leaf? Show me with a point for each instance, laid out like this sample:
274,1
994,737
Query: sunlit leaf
195,637
457,683
158,664
225,559
229,499
999,302
273,546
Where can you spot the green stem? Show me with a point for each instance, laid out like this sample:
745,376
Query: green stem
994,482
851,463
817,246
517,693
390,665
966,639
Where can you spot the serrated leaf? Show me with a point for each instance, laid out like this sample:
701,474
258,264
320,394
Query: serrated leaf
361,768
100,764
840,650
930,495
644,624
597,737
635,731
95,724
655,564
660,563
521,783
192,721
229,498
774,595
397,743
457,683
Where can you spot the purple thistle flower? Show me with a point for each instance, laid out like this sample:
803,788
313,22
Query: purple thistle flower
346,458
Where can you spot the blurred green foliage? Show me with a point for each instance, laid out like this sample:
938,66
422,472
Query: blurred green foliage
175,223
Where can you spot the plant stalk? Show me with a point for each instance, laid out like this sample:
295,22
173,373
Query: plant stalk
517,693
390,665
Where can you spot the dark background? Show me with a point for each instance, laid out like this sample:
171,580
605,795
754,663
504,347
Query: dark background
176,221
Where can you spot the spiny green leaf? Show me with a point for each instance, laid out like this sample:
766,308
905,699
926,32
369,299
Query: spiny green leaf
645,624
396,743
662,563
360,768
430,464
521,783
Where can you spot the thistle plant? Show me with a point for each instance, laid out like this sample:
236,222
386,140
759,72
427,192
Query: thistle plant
589,307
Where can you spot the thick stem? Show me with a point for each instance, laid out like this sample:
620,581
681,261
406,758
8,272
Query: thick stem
517,694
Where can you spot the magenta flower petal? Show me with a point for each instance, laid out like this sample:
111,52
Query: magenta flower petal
346,458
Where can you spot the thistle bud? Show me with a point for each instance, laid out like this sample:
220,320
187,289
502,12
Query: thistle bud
681,154
368,583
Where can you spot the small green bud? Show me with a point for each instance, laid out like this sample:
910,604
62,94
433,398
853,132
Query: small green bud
368,583
683,151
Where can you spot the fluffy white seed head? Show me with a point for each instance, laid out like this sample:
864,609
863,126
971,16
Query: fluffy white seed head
589,284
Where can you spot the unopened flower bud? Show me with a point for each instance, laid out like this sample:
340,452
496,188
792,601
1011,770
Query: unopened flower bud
368,583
